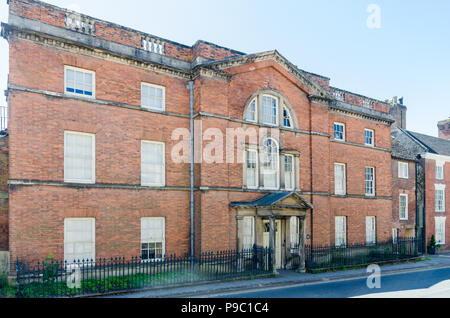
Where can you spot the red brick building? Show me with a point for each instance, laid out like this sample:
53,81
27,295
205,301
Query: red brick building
94,108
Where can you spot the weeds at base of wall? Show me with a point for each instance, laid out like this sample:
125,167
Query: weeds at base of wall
6,290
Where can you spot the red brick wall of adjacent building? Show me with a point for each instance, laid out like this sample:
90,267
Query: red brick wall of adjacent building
4,227
430,200
406,228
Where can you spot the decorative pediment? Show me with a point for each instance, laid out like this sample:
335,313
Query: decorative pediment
314,89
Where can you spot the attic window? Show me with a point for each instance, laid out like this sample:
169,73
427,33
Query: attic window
78,23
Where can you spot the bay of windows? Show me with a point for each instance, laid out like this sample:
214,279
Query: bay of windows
269,110
269,168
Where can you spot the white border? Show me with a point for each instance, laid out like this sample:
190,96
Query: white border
163,98
163,241
93,178
65,235
374,183
399,207
373,137
164,164
245,169
345,178
407,169
278,110
344,132
294,184
67,67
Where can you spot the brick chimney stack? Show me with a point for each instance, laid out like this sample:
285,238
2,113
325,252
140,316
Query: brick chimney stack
398,111
444,129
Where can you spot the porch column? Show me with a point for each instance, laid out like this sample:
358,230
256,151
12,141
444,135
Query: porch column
272,242
301,243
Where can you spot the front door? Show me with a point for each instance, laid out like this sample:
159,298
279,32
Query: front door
266,240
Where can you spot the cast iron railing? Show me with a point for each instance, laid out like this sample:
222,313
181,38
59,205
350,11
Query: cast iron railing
326,257
52,278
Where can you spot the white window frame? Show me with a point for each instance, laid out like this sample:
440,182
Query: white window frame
440,221
277,115
294,231
406,198
86,181
163,97
163,250
77,69
338,235
371,240
366,180
394,236
373,137
403,165
440,188
254,100
66,221
246,169
344,190
277,165
288,117
244,236
343,131
163,177
292,173
440,168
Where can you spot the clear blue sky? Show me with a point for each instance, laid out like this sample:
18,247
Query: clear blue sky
408,56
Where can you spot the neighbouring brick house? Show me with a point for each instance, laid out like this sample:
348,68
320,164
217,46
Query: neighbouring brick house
432,175
93,108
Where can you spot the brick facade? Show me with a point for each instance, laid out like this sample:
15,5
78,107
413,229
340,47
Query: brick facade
404,186
4,211
40,112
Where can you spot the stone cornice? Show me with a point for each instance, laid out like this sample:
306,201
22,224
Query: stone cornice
361,113
139,60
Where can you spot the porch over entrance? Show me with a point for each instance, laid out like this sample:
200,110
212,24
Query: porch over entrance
277,221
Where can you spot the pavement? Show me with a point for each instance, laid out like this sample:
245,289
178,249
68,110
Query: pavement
284,279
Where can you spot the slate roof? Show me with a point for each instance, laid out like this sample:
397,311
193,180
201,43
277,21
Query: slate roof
268,200
434,145
400,150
